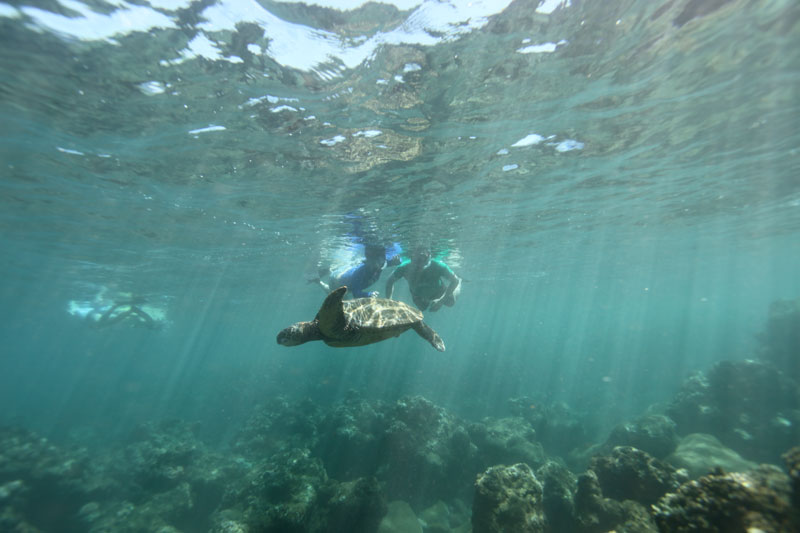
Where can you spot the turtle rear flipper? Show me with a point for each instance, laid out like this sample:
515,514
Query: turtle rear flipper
427,333
331,315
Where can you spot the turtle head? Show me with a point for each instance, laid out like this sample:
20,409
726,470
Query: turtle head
299,333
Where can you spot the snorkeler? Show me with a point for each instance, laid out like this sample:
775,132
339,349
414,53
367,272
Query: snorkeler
360,277
424,276
130,310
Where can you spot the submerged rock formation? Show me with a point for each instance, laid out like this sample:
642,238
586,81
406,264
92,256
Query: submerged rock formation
758,500
700,453
508,498
748,405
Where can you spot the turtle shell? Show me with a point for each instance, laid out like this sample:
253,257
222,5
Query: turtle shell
380,313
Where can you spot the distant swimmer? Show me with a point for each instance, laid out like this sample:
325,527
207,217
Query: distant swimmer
359,278
126,310
104,312
424,276
358,322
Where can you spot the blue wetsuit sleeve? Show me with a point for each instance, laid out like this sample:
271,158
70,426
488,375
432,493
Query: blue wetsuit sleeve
354,279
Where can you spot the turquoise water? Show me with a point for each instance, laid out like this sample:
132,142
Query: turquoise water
616,183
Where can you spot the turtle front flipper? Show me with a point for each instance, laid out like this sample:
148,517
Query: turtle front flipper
331,315
427,333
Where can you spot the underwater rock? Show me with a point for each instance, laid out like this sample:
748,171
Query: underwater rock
780,339
758,500
357,505
169,479
43,486
558,427
350,438
654,434
792,461
597,514
400,518
443,518
159,455
506,441
292,492
427,453
748,405
631,474
277,424
436,518
508,498
558,491
699,453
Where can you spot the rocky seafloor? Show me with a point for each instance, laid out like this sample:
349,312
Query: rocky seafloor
722,456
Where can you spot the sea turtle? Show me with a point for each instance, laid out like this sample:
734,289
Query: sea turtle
358,322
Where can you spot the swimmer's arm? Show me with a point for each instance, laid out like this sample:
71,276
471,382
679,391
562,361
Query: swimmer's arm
397,274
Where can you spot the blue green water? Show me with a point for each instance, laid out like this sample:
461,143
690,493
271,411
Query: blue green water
616,183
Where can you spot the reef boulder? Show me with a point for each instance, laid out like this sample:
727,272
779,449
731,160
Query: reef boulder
749,406
758,500
654,434
700,453
508,498
631,474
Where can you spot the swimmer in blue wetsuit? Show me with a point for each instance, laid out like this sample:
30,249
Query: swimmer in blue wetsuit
360,277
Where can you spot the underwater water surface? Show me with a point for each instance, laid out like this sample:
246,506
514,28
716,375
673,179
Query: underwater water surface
617,185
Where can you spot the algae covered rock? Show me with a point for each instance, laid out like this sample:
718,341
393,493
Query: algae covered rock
356,505
631,474
38,476
654,434
792,461
350,438
506,441
758,500
749,406
596,514
558,427
292,492
699,453
277,424
508,498
427,453
558,486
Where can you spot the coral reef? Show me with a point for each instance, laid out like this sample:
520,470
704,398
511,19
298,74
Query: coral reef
654,434
350,438
170,479
758,500
427,453
297,467
506,441
558,427
277,424
595,513
792,461
508,498
748,405
558,493
631,474
780,339
292,492
43,487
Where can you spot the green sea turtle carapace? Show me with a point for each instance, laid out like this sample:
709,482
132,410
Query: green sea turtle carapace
358,322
